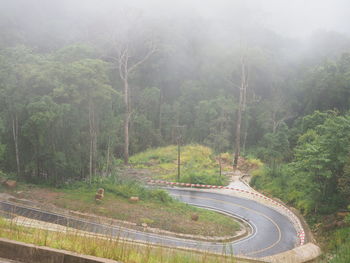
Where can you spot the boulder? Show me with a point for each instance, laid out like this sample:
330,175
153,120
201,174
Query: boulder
11,184
194,217
98,196
134,199
101,191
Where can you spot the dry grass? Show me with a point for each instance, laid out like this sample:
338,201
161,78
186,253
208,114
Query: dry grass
108,247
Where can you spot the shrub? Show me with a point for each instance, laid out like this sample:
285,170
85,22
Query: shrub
160,195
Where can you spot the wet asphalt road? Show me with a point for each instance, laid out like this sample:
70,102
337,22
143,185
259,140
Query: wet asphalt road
272,232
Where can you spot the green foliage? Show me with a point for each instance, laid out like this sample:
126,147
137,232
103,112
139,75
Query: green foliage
274,148
314,180
50,108
339,245
327,85
347,218
121,188
62,108
198,164
202,178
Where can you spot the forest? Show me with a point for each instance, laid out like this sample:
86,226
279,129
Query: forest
82,89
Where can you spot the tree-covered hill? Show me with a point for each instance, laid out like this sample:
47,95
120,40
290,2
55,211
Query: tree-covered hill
85,84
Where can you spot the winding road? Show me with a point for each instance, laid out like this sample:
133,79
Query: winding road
272,232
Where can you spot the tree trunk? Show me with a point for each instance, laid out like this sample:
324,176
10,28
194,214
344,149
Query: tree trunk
125,69
160,112
241,107
245,139
238,132
108,155
274,122
126,121
178,160
93,141
245,116
15,140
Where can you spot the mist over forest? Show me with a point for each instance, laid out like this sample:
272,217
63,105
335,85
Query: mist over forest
86,84
66,57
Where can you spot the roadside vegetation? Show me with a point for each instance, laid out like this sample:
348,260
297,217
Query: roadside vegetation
337,245
116,249
308,167
199,164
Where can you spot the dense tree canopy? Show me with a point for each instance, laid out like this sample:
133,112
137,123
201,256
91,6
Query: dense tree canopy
63,109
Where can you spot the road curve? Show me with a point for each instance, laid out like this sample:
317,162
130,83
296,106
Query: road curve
272,232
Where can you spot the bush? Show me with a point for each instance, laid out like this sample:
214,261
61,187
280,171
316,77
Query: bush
197,178
160,195
340,245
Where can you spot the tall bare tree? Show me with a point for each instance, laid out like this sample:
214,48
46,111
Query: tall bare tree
241,108
129,45
126,68
93,140
15,140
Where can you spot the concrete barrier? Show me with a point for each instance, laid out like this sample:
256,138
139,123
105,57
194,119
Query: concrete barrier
305,253
23,252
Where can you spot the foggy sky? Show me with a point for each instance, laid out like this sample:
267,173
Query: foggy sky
289,18
292,18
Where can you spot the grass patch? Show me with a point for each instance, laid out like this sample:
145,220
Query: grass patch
339,246
106,248
198,164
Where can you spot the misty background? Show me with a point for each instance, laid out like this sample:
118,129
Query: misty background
65,59
86,84
73,20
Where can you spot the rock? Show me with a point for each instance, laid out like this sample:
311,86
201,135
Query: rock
134,199
99,196
194,217
11,184
101,191
144,225
342,214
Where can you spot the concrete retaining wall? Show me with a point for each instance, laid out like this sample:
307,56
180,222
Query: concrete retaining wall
36,254
22,252
306,253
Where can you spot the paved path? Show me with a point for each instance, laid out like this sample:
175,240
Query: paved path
272,232
236,182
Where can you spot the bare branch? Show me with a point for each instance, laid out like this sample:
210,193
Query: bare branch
122,62
152,50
